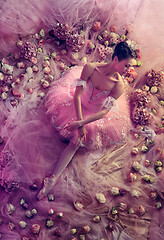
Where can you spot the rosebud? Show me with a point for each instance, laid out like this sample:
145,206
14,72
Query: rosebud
96,26
97,219
132,177
10,208
20,43
147,163
34,60
159,205
50,211
100,198
49,223
136,166
78,206
42,33
73,231
141,210
22,224
86,229
46,70
114,211
158,163
153,195
35,228
135,151
20,65
41,42
60,215
115,191
113,28
53,55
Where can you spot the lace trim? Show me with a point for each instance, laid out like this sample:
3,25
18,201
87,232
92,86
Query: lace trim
109,103
80,82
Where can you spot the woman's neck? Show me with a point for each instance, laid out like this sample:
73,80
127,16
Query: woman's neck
108,68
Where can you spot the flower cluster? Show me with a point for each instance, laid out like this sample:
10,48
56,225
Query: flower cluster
90,47
75,42
140,116
11,84
6,78
105,39
63,34
60,31
154,78
6,159
108,38
104,51
130,75
29,51
133,46
139,98
96,26
9,185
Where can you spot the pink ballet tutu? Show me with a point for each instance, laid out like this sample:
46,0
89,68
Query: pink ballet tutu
112,129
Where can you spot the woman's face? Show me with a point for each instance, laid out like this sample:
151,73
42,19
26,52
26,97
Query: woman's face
122,66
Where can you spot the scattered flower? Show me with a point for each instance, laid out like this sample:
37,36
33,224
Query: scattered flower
100,198
35,228
22,224
96,26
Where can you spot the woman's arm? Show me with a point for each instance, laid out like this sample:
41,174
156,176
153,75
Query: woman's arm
94,117
81,123
86,73
77,102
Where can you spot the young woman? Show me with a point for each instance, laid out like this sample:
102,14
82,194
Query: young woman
89,107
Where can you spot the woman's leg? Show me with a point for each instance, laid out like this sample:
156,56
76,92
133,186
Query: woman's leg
64,160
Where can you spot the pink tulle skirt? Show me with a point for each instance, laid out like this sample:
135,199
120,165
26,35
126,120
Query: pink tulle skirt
112,129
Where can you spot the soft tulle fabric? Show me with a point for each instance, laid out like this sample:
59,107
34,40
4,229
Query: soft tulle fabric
112,129
30,146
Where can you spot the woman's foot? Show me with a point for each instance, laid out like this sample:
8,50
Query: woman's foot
48,184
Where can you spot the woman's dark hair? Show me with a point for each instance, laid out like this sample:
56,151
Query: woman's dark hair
123,51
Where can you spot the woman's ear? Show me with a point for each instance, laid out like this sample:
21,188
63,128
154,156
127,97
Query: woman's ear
115,59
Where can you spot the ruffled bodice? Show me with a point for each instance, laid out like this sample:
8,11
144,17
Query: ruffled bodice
93,99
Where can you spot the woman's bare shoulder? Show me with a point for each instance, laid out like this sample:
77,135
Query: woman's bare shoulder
87,71
96,64
92,65
119,87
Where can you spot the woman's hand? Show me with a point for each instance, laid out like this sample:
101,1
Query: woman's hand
82,133
73,125
77,125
